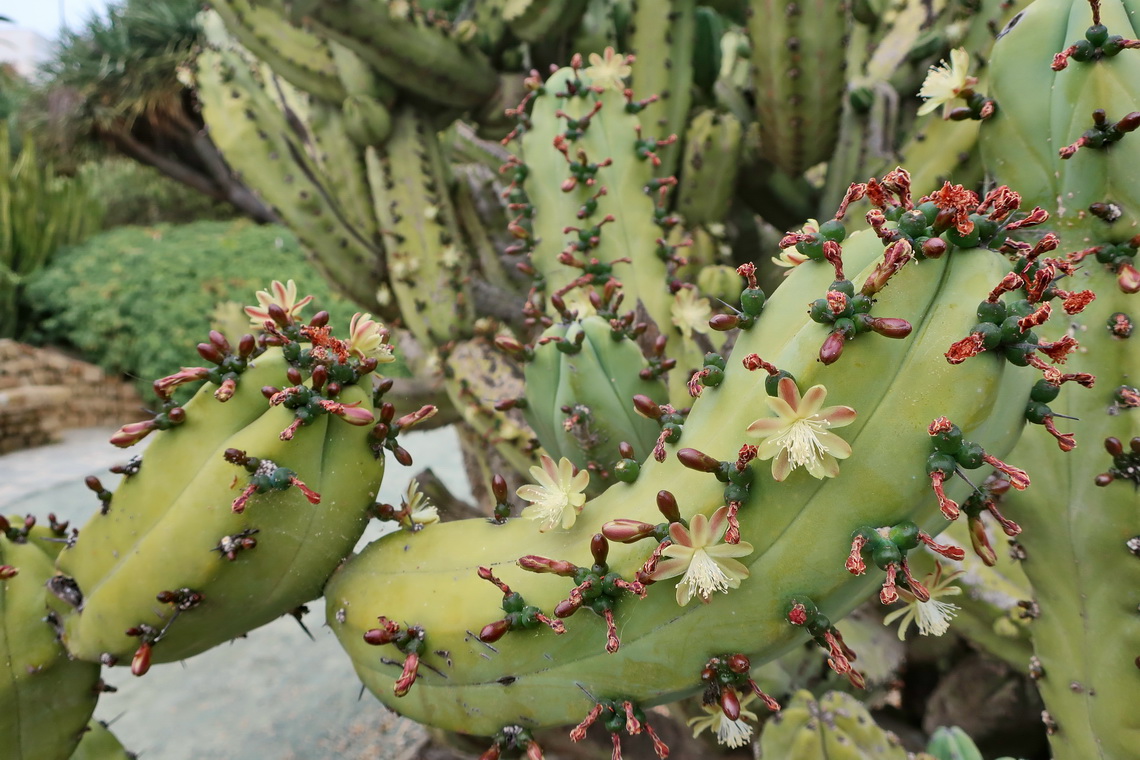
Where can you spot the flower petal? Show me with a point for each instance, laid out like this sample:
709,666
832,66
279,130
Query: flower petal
766,427
789,394
837,416
836,446
781,466
812,400
670,568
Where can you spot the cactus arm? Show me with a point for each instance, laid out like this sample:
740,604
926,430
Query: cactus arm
425,250
663,37
481,690
258,142
423,57
302,58
538,20
1086,632
46,698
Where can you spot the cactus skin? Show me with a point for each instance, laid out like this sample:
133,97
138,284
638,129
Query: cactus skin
167,525
426,255
1085,626
524,679
98,743
580,404
1041,111
837,727
799,52
46,698
534,20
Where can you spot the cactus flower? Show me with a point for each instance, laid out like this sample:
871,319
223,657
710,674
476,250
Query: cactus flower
284,296
609,70
932,617
690,312
369,338
707,564
800,436
420,511
946,81
559,495
730,733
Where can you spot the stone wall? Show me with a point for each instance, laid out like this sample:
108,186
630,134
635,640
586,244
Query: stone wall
44,392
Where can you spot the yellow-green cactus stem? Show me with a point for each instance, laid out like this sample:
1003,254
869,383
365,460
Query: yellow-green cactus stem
652,650
46,697
236,515
836,725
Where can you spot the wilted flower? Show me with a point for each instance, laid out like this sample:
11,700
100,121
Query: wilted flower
932,617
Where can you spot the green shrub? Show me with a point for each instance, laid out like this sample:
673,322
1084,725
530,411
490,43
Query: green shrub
137,300
136,194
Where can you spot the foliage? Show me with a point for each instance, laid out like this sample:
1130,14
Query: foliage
133,193
39,212
136,300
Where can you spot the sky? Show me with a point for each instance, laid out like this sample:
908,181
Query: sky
44,15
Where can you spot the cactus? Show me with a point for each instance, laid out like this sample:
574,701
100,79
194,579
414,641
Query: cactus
98,743
462,625
834,726
46,698
1079,560
243,504
481,687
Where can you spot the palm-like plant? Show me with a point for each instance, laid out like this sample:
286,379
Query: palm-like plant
115,81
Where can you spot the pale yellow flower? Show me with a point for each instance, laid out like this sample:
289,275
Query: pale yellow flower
559,495
608,71
790,258
367,337
945,82
420,511
730,733
708,565
284,296
932,617
690,313
800,435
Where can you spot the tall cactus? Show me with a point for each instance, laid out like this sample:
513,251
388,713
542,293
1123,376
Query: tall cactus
1053,71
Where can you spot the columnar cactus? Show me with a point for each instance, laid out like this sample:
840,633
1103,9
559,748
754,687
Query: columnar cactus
1065,77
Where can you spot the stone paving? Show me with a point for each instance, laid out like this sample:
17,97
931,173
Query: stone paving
274,694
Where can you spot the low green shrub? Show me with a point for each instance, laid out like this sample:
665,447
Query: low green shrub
133,193
136,300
